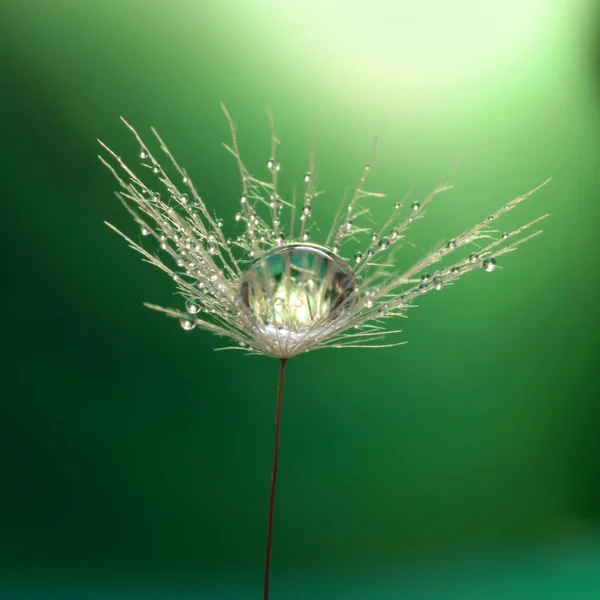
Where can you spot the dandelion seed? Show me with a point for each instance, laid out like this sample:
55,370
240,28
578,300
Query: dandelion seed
272,292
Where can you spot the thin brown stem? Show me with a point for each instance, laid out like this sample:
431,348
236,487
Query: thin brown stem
274,476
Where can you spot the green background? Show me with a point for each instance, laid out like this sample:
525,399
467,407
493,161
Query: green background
135,461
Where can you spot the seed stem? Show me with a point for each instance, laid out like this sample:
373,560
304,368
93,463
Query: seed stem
274,476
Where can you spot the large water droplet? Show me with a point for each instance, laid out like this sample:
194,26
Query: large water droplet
296,286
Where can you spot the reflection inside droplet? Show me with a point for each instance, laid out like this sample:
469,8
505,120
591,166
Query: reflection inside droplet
294,287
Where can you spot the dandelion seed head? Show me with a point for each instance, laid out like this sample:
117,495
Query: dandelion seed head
270,289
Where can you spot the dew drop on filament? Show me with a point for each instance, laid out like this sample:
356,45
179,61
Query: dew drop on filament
187,322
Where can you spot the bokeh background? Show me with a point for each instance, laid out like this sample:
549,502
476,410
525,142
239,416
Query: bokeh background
135,461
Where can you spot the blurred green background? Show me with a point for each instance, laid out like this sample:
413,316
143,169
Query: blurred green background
462,465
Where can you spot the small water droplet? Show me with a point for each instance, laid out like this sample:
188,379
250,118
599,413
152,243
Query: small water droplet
358,257
438,283
348,225
370,252
183,199
369,303
397,205
193,306
187,322
306,236
489,264
394,233
156,169
505,236
155,196
180,261
307,178
455,270
278,167
306,209
415,206
143,153
473,258
219,223
384,244
425,277
186,179
336,248
145,231
238,216
451,245
270,164
281,237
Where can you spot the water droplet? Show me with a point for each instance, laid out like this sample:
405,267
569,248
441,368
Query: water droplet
473,258
306,209
238,216
451,245
358,257
143,153
281,237
505,236
180,261
438,283
186,179
193,306
489,264
219,223
384,244
145,231
336,248
176,278
306,236
394,233
278,167
243,199
307,178
370,252
348,225
369,303
425,277
397,205
415,206
156,169
155,196
455,270
292,287
187,322
270,164
183,199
